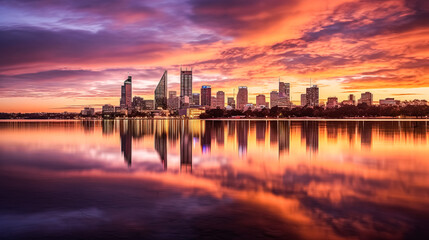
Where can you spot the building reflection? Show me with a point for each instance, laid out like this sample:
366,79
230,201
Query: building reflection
206,136
261,127
310,133
219,132
160,142
284,136
173,132
88,126
185,147
107,127
126,136
242,136
365,129
273,133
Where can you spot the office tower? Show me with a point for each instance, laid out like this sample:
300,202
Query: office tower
332,102
312,96
274,97
148,104
126,94
185,83
161,92
231,102
195,99
206,95
284,91
185,102
213,102
173,100
107,108
242,97
366,98
172,94
260,101
352,99
220,99
138,103
303,99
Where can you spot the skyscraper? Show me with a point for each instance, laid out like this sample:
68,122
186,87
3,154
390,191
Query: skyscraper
126,94
260,101
366,98
138,103
274,97
206,95
352,99
312,96
161,92
173,100
284,91
220,99
303,99
231,102
332,102
185,83
195,99
242,97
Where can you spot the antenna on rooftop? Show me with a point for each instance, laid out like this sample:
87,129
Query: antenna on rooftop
310,82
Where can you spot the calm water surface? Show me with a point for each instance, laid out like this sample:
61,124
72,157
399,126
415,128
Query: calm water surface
175,179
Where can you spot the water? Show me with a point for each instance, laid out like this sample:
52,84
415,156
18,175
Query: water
174,179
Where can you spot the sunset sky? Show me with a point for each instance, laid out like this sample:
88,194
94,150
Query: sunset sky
63,55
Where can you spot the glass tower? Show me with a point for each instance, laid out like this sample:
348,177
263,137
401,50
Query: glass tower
161,93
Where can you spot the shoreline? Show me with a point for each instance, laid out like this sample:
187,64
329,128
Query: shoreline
222,119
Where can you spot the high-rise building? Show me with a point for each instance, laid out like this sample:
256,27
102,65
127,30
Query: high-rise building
126,94
231,102
366,98
185,83
195,99
284,91
274,97
332,102
161,92
173,100
260,101
312,96
352,99
149,104
138,103
107,108
303,99
213,102
206,94
172,94
242,97
220,99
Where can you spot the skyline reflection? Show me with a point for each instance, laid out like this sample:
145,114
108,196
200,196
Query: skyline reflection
327,179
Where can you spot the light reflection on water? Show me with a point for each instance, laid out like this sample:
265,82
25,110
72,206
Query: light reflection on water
219,179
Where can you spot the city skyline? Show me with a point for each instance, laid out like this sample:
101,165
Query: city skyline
62,56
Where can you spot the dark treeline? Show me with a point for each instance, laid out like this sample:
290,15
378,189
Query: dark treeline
38,115
347,111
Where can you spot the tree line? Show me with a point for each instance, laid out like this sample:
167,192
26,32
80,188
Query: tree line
346,111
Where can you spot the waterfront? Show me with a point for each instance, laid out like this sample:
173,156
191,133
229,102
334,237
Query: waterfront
163,179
